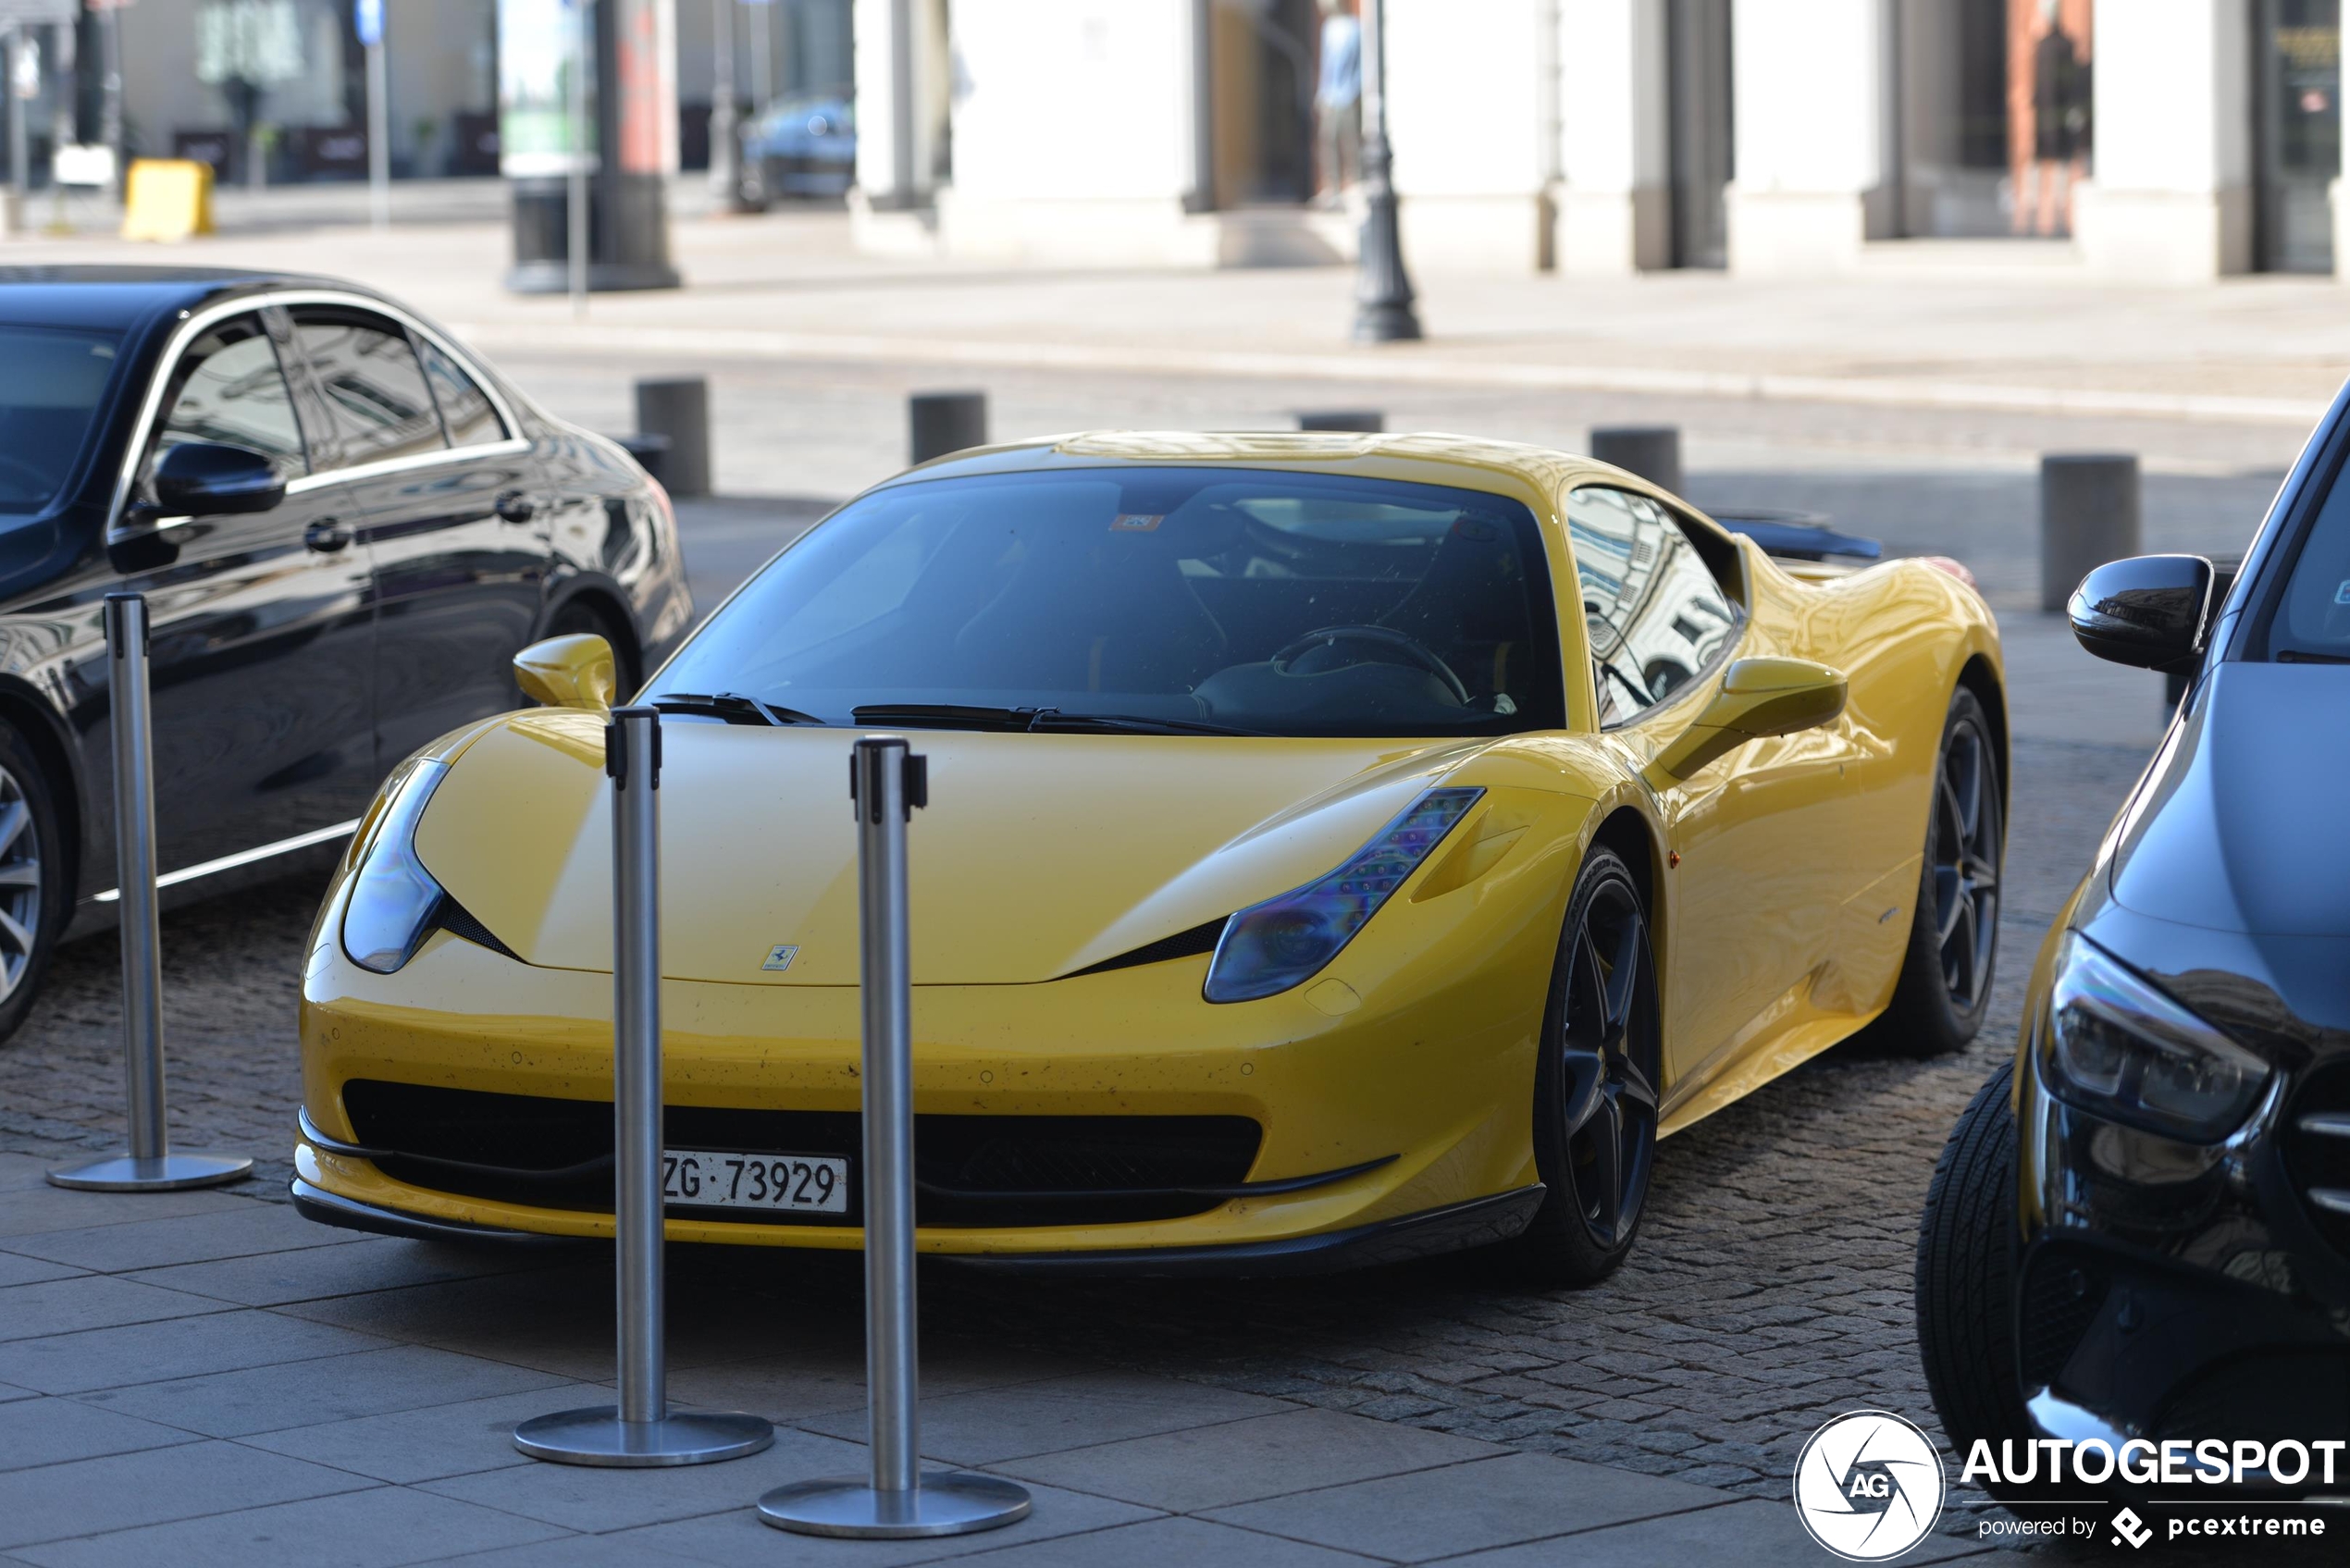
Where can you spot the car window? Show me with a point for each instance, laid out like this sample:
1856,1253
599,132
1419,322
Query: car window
466,410
373,387
228,387
1653,611
52,381
1276,603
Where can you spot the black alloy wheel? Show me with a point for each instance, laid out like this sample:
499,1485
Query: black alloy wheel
33,888
1963,851
1944,987
1596,1084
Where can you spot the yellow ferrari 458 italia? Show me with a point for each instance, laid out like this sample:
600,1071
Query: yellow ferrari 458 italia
1338,848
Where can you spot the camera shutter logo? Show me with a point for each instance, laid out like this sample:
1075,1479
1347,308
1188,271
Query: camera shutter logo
1868,1485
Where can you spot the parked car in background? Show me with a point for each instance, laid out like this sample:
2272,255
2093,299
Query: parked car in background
803,146
2140,1229
345,526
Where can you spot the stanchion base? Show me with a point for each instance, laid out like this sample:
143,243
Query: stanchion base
598,1435
945,1504
165,1173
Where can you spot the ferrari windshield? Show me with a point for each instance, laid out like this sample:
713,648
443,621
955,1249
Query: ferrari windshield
1180,600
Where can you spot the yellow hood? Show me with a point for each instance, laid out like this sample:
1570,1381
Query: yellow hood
1039,855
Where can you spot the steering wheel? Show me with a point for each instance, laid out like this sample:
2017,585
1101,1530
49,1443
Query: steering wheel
1416,654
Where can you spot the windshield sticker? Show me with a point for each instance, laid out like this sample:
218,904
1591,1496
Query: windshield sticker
2342,594
1136,522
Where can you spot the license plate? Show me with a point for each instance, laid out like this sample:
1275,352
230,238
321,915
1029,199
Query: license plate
777,1183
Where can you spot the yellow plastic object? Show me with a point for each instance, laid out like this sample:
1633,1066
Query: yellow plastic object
166,199
1782,871
576,671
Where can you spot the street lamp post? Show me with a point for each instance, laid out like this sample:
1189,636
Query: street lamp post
1382,289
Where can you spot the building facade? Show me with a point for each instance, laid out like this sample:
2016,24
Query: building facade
2158,140
199,76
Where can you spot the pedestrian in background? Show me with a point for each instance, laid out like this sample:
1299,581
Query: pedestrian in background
1338,101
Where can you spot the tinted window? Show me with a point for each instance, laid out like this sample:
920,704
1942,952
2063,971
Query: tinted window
51,383
1288,604
228,388
373,387
465,409
1653,611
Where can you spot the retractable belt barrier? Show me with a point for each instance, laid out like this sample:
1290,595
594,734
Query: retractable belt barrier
886,784
641,1431
151,1165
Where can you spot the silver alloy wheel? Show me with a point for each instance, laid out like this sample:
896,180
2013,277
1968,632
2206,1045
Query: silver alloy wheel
19,883
1965,855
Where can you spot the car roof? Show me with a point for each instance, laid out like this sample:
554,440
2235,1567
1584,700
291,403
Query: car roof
124,297
1505,468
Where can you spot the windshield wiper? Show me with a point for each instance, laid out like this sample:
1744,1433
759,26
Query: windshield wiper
1131,723
963,716
734,707
2302,656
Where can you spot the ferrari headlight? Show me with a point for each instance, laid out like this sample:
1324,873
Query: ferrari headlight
394,898
1270,947
2118,1047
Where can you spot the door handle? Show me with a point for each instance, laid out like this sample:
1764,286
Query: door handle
515,507
325,536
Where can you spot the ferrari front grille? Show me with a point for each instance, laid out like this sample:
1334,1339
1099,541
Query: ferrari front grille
971,1171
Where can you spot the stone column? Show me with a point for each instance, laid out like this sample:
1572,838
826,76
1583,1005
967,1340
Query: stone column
1466,105
1814,181
1614,212
2170,198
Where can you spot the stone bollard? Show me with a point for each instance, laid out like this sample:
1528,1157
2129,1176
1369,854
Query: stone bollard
939,422
1368,420
1653,452
2088,516
679,410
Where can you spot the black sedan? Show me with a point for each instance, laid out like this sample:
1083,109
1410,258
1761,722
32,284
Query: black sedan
2140,1230
345,526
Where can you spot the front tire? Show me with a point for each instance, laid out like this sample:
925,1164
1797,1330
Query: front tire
33,878
1595,1086
1945,986
1966,1276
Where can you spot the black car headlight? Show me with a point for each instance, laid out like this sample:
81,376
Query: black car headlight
1268,947
2118,1047
394,898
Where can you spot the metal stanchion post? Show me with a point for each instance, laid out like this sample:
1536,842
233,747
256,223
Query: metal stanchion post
151,1165
641,1431
886,784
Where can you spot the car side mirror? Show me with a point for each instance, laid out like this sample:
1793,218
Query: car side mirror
2149,610
576,671
1757,698
198,477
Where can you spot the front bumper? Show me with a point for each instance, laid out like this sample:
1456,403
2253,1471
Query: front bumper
1387,1129
2167,1291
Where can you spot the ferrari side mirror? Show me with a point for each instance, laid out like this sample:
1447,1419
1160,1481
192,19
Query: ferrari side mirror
569,672
2149,610
1757,698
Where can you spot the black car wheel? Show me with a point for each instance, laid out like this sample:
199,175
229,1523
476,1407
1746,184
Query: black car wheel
1595,1086
1966,1274
32,890
1944,987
